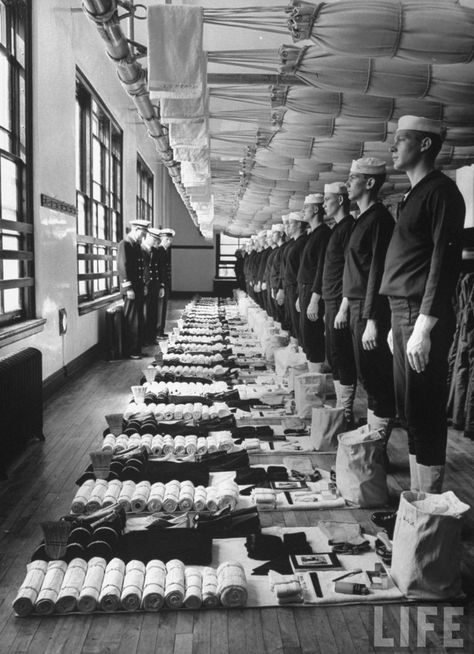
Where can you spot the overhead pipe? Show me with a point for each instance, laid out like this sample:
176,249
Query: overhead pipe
104,13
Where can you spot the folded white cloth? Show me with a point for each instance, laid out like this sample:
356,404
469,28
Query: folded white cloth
155,499
140,497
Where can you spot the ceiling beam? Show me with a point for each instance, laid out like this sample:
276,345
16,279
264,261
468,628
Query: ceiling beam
259,79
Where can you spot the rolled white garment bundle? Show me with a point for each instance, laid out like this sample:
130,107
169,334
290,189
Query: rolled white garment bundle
186,496
222,409
135,440
251,444
71,587
197,410
211,444
210,599
193,588
201,445
108,444
121,443
82,496
132,589
211,499
169,411
225,442
188,411
287,588
227,495
190,443
212,412
154,585
109,598
126,494
147,440
178,411
157,445
155,499
160,412
200,498
179,445
25,600
231,584
264,498
53,579
178,370
94,503
175,584
112,493
171,497
168,444
90,591
205,412
140,497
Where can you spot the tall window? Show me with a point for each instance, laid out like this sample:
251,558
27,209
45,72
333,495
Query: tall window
225,253
98,195
16,228
144,191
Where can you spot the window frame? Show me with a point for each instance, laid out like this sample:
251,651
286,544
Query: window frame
145,181
99,198
224,260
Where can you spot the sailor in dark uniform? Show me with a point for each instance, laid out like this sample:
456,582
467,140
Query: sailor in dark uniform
421,270
154,282
164,271
339,351
369,311
264,250
309,303
297,232
284,317
273,269
130,267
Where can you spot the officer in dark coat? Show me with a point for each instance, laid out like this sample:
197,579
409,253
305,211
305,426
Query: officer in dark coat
154,282
130,265
164,272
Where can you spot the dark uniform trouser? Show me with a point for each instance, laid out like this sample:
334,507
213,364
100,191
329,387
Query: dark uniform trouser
162,307
421,397
151,311
312,333
339,349
133,319
291,314
374,367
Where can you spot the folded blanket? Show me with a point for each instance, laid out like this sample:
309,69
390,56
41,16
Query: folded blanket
156,497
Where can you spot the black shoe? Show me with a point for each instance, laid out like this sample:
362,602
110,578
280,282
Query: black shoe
385,520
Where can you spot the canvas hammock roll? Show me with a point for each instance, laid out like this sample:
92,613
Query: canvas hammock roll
24,602
109,598
210,598
175,65
48,595
175,584
90,591
133,583
154,586
231,584
440,31
449,84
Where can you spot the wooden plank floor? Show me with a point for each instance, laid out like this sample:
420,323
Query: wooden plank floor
41,486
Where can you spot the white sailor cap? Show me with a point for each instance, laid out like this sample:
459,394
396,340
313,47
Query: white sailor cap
368,166
279,227
296,215
420,124
337,188
153,231
167,231
314,198
140,223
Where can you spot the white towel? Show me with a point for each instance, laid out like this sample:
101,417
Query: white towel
190,109
191,134
175,60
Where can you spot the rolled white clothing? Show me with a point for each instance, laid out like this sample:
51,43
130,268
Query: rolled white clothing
112,493
53,579
24,602
133,583
121,443
168,444
140,497
232,584
109,598
147,440
154,585
201,445
160,412
157,445
175,584
126,494
169,411
193,588
178,411
171,497
211,499
134,440
211,444
210,598
251,444
90,591
197,410
108,444
188,411
72,585
200,498
212,412
82,496
225,442
156,497
94,503
227,495
190,443
205,413
179,445
186,496
222,409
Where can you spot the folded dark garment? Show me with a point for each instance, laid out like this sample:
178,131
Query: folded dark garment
176,427
264,432
296,543
225,396
185,399
277,473
222,461
151,398
190,546
217,424
227,524
245,405
279,564
247,475
165,471
264,546
149,426
243,432
132,426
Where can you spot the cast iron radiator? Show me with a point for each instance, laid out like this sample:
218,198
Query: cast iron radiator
21,402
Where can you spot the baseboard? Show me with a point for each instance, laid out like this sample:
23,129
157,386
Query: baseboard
185,295
56,381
